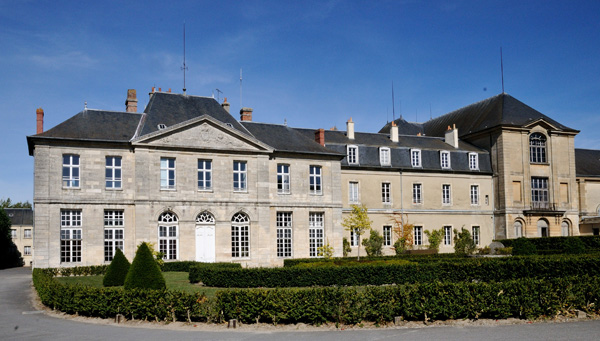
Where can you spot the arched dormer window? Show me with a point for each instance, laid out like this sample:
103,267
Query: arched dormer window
537,148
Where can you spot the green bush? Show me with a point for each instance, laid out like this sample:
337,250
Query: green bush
373,244
574,246
417,258
522,246
144,272
435,238
463,243
555,245
195,269
117,270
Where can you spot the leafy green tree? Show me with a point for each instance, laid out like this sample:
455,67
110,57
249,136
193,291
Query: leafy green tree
144,271
325,251
117,270
403,231
346,247
357,222
435,238
10,256
7,203
373,244
463,243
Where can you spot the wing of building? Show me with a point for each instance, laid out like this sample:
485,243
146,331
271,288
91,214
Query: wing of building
202,185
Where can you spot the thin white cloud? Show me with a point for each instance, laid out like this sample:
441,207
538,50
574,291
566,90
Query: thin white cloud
71,59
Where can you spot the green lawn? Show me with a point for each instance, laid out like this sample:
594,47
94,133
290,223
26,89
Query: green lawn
175,281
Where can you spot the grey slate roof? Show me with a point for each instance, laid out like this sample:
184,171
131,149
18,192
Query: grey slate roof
587,162
20,216
404,127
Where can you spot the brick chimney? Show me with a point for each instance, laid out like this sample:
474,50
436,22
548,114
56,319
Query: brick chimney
320,136
131,101
350,129
246,114
451,136
394,132
225,105
40,120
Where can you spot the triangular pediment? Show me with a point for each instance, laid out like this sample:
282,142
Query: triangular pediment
541,123
203,133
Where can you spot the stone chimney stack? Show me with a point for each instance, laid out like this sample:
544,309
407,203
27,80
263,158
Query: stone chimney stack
225,105
246,114
350,129
40,120
394,132
451,136
131,101
320,136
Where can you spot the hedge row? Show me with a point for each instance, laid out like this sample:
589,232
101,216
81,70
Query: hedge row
425,258
184,266
523,298
92,270
557,244
477,269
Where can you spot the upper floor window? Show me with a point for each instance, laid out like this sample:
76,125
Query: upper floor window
539,192
113,172
27,233
473,161
70,171
445,159
474,195
537,148
315,180
446,194
384,156
385,192
167,173
283,178
13,233
417,194
352,155
239,176
353,192
204,175
415,157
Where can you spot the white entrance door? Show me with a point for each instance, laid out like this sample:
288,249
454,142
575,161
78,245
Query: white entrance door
205,243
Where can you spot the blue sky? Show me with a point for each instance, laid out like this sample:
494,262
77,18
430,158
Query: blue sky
312,63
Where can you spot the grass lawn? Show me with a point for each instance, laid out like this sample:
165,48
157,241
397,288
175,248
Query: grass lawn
175,281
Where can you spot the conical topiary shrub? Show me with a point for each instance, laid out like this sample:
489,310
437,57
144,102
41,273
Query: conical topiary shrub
117,270
144,272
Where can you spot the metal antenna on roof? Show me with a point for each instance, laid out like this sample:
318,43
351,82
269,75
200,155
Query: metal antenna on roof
241,88
218,92
184,67
393,104
502,69
430,117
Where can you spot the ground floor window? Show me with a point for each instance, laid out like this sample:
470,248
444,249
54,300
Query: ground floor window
168,235
387,235
240,236
447,235
284,234
27,250
315,233
353,238
113,233
476,235
418,235
70,236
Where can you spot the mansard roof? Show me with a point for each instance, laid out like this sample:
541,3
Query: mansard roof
587,162
20,216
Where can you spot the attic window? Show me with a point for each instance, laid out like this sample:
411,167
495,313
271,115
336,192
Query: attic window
229,125
162,126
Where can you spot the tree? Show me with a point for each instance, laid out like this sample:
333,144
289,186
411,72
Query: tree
403,231
346,249
9,204
435,238
10,256
325,251
117,270
463,243
144,271
373,244
357,222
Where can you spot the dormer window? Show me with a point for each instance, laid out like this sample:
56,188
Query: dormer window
352,155
473,161
384,156
445,159
415,157
229,125
537,148
162,126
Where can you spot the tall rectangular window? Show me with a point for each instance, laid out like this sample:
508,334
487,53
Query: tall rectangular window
315,233
113,172
204,175
27,233
417,194
284,234
446,194
167,241
113,233
387,235
26,250
537,148
474,195
445,160
415,157
473,161
167,173
353,238
539,192
418,235
240,239
476,235
315,180
70,236
70,171
239,176
352,155
283,179
385,192
13,233
447,235
353,192
384,156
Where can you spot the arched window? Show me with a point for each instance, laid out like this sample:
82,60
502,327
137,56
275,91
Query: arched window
543,230
565,228
168,235
240,235
518,229
537,148
205,218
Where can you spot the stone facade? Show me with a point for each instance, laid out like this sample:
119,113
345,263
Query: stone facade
22,231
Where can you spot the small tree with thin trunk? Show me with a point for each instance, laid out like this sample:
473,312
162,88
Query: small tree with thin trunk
357,222
403,231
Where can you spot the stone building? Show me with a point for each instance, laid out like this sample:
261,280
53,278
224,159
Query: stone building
21,231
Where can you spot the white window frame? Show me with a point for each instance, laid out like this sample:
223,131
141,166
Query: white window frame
386,192
385,156
415,158
240,235
418,235
70,171
476,233
315,180
473,161
13,233
353,192
445,159
27,250
204,174
70,236
446,194
316,232
113,172
540,196
240,176
284,234
114,233
283,178
27,234
168,235
352,154
417,193
353,238
168,173
474,195
447,240
537,148
387,235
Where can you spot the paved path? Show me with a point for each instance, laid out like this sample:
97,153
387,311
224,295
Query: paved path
20,321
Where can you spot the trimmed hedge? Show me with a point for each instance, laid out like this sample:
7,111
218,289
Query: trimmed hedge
117,270
416,258
184,266
144,272
473,269
555,245
92,270
196,272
